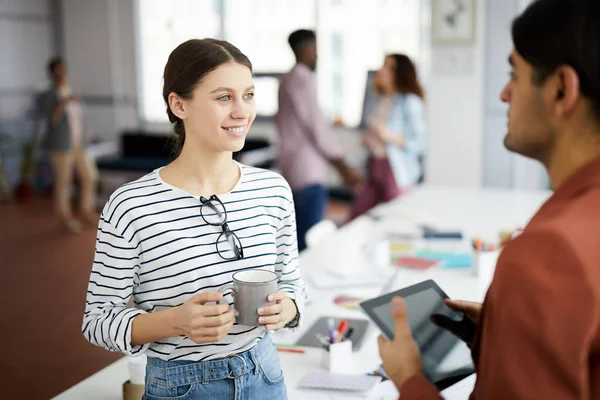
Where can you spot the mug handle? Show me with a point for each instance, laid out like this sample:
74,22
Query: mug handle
224,289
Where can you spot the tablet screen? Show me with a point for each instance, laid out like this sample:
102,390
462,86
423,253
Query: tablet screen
443,354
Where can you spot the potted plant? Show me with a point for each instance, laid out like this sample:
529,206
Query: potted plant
24,149
4,189
24,190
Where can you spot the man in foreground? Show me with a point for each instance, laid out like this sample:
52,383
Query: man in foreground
538,334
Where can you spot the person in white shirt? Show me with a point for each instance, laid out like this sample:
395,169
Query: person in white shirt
157,248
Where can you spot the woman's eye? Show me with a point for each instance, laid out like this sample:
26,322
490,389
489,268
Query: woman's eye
249,96
225,98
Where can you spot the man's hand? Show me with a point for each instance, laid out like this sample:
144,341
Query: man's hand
401,357
465,328
352,178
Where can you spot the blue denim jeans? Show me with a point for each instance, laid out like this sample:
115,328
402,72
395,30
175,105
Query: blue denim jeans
254,374
310,204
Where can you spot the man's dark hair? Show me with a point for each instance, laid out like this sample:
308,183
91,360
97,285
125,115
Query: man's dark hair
53,63
552,33
300,37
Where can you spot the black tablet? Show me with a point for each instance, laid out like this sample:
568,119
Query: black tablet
446,358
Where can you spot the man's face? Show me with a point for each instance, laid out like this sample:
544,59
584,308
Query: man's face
530,131
60,73
309,50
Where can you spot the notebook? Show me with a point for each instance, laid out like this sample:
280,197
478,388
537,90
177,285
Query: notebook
461,390
416,262
348,302
323,380
449,260
330,280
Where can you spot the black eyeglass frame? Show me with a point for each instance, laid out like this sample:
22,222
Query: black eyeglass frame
238,250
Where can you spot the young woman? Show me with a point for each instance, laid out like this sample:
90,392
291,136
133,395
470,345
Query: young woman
395,136
169,240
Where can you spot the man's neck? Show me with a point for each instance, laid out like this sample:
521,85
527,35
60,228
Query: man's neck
572,155
60,84
305,65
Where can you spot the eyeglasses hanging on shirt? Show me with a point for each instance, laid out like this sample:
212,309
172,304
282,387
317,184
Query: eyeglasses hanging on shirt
228,244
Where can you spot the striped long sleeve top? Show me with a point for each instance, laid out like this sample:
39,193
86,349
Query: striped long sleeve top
155,251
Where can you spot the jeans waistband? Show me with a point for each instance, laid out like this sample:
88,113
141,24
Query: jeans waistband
178,373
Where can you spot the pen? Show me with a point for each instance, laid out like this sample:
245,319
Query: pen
349,333
342,327
342,330
323,340
331,330
289,350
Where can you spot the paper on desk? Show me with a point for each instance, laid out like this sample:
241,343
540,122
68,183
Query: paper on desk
383,391
460,390
329,279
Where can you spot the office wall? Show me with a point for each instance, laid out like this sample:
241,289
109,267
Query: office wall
500,167
99,46
466,120
27,40
455,110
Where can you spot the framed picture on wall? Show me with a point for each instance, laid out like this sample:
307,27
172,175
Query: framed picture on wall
453,21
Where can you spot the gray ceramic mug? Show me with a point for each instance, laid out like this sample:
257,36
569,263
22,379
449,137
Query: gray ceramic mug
250,289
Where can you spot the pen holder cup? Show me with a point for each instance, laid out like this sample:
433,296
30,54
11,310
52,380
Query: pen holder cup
337,356
484,264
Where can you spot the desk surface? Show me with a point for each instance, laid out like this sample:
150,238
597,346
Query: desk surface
474,211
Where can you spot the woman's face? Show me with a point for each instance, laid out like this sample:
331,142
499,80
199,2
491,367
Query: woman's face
221,109
385,75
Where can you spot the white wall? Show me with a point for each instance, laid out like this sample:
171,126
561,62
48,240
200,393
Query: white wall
455,111
99,46
502,168
26,44
466,120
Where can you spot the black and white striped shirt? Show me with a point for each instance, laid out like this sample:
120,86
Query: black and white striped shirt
155,249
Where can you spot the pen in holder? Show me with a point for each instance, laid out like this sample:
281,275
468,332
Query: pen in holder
337,356
483,251
485,256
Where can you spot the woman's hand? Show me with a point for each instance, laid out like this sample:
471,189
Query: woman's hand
203,323
277,316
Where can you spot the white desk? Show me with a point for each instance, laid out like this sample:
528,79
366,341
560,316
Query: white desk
476,212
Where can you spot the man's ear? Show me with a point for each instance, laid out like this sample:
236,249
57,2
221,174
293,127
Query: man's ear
567,91
177,106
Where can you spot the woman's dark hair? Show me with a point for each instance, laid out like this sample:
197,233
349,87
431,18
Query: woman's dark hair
187,65
552,33
405,75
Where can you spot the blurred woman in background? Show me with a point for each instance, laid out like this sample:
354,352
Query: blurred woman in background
395,136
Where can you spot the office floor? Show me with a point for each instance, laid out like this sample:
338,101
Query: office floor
42,290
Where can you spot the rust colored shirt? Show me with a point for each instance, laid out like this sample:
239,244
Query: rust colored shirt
540,332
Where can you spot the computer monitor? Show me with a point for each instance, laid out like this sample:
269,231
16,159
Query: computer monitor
369,95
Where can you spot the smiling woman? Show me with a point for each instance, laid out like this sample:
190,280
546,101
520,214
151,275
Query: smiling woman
209,106
171,239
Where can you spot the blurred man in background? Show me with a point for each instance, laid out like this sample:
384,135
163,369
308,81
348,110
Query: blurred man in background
307,144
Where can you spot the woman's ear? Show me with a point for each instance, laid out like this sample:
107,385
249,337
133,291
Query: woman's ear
177,106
